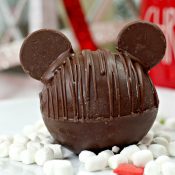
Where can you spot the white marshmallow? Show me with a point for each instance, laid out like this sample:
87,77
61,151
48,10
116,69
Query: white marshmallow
143,147
115,149
27,157
129,150
106,154
33,146
34,137
47,141
162,159
43,155
4,149
6,138
15,151
84,155
170,123
41,136
161,141
95,163
116,160
39,124
158,150
163,134
146,140
56,149
171,148
20,139
141,158
152,168
168,168
44,131
58,167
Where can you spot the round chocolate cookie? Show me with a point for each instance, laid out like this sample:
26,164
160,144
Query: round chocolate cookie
40,49
144,41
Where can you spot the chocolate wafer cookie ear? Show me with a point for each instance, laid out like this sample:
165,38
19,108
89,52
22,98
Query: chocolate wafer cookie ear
144,41
40,49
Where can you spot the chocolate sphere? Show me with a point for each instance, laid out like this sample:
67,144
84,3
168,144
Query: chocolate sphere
97,99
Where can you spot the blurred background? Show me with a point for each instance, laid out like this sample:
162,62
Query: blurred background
88,24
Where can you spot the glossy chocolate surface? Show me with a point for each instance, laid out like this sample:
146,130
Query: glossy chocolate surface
99,135
97,99
144,41
97,85
40,49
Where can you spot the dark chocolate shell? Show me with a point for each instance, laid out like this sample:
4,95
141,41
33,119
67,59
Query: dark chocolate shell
97,99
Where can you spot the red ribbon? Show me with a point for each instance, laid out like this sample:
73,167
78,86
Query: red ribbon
79,24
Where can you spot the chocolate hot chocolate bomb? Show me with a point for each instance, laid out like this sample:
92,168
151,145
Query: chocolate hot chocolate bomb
96,99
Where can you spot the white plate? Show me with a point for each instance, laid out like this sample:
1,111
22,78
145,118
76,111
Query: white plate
14,115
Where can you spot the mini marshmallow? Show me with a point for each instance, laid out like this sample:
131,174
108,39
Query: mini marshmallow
163,134
152,168
129,150
4,149
20,139
162,159
170,123
15,151
143,147
34,146
158,150
34,137
6,138
106,154
44,131
27,157
43,155
116,160
115,149
57,150
171,148
39,124
141,158
47,140
168,168
84,155
161,141
146,140
58,167
95,163
41,136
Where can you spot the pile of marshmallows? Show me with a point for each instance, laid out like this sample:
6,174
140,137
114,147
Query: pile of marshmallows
35,145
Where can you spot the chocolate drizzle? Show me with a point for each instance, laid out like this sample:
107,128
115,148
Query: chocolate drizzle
80,84
56,104
80,78
140,84
128,82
